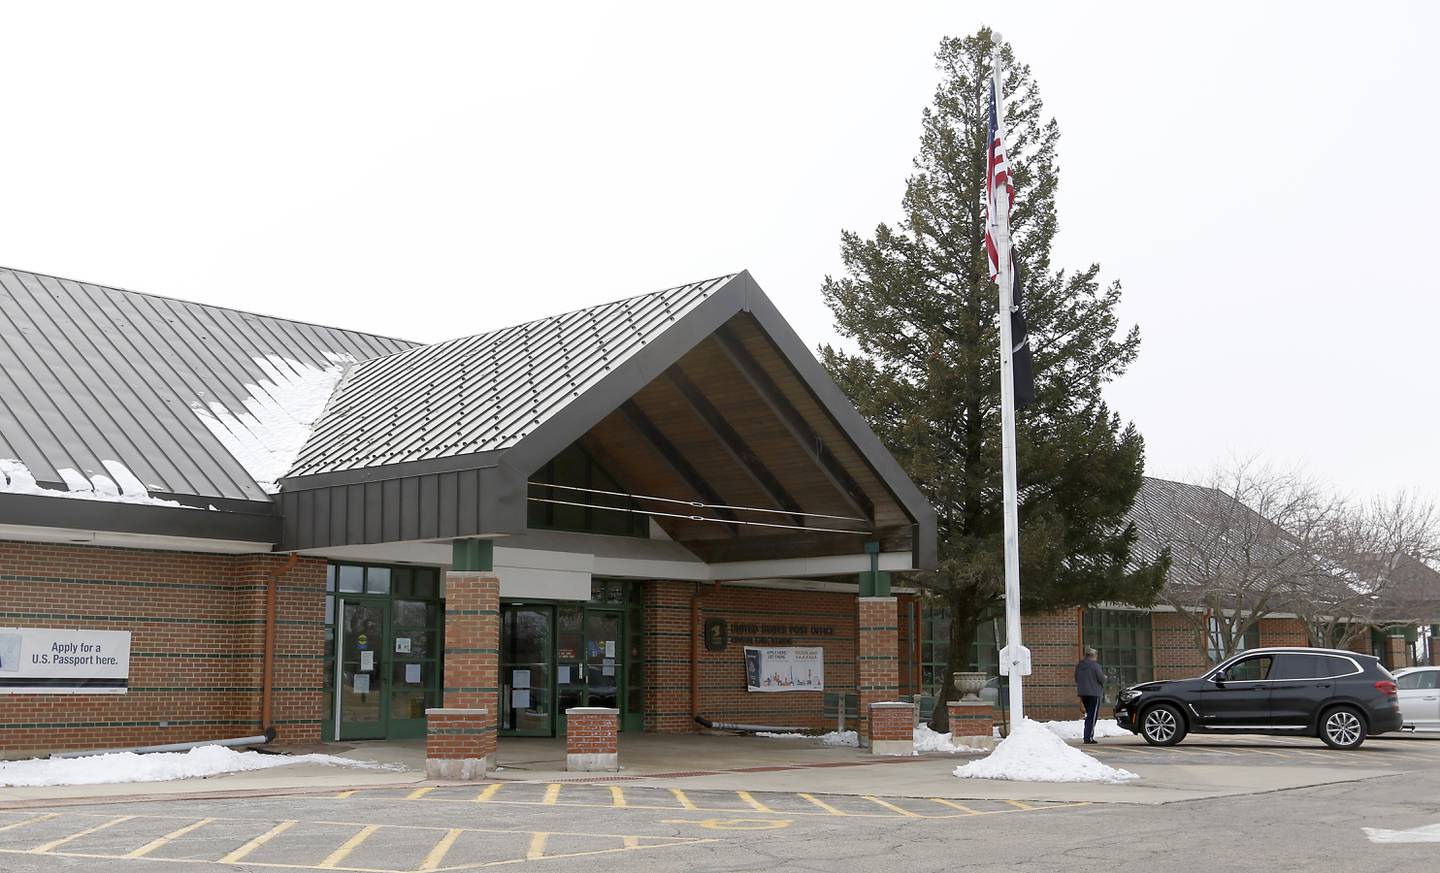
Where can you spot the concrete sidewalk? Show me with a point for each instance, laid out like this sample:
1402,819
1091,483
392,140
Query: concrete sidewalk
738,763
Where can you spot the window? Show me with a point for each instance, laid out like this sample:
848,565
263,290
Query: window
1421,679
1123,640
1250,669
1302,667
935,647
580,505
1217,646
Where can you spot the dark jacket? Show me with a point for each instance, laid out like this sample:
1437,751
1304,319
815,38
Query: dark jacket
1089,679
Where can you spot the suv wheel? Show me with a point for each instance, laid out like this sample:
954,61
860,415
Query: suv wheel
1162,725
1342,728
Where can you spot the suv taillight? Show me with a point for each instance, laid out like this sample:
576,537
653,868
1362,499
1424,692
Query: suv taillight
1386,687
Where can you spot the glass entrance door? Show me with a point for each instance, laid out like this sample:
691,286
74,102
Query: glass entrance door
604,657
363,674
526,656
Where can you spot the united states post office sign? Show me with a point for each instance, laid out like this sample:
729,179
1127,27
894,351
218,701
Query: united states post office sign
44,661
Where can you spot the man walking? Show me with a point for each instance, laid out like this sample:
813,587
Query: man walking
1090,685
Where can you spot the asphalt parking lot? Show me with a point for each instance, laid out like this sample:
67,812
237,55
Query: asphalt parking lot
619,825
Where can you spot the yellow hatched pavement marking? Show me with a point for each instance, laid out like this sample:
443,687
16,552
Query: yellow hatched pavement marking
25,821
256,843
754,804
437,854
55,844
617,796
537,846
349,845
888,805
489,792
684,801
420,792
552,794
1020,804
173,835
953,805
822,804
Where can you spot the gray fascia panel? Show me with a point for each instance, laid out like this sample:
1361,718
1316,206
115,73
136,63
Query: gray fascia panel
62,512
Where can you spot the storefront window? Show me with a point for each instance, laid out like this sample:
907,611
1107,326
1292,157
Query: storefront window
1123,640
935,647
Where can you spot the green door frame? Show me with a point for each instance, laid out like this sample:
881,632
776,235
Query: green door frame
379,729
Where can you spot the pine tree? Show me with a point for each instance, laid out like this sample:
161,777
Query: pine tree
919,306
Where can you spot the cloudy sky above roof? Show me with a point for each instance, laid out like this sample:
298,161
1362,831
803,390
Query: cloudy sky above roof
1258,176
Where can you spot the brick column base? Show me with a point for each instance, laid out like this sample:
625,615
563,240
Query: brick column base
970,721
458,743
892,728
592,739
878,664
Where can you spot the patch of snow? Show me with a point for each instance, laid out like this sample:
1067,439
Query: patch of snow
1075,730
1032,753
121,767
841,738
792,736
928,740
16,478
129,483
267,435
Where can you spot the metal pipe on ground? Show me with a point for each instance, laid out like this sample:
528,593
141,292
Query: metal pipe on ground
747,728
258,740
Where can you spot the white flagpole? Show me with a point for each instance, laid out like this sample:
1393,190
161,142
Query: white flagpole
1015,652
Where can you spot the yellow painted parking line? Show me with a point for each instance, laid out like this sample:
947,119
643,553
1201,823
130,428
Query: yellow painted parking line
552,794
952,804
537,846
617,796
334,858
173,835
256,843
754,804
822,804
25,821
344,794
55,844
489,792
890,806
420,792
632,842
1020,804
684,801
437,854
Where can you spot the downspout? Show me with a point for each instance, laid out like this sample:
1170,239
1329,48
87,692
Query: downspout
695,632
272,587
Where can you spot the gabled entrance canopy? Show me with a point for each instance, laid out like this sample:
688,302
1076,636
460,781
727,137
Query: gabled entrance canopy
701,393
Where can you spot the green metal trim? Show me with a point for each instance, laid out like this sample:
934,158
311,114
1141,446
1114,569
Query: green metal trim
472,554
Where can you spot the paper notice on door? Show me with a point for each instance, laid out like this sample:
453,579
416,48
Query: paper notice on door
608,668
402,645
562,674
520,678
412,674
362,683
520,698
609,648
367,662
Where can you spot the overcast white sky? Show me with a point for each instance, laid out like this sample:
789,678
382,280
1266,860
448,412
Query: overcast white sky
1262,178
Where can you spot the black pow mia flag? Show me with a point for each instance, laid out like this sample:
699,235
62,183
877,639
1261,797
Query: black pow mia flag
1021,362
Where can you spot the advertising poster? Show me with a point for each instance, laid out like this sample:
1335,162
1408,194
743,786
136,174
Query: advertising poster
45,661
785,669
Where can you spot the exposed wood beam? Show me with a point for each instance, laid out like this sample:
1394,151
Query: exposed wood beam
666,450
809,442
735,445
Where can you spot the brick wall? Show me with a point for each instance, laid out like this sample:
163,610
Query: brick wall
472,657
198,626
1053,639
1283,632
878,662
810,618
1176,648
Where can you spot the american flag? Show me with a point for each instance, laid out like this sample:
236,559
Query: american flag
996,172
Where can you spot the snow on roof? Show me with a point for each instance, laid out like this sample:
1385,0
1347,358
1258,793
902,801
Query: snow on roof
15,478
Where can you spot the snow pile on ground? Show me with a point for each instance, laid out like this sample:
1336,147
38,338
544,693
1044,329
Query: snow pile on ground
267,435
119,767
124,487
1075,730
771,735
1034,754
841,738
928,740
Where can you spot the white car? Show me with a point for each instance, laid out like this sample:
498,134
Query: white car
1419,698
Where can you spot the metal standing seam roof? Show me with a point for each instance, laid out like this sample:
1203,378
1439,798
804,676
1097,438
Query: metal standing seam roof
485,392
90,373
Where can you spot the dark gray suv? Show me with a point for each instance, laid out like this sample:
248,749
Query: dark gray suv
1339,696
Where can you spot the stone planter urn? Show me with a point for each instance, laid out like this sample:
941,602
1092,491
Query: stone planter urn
969,685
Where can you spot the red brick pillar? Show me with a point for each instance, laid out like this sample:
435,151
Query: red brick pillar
877,670
971,720
892,728
460,737
1398,651
592,740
